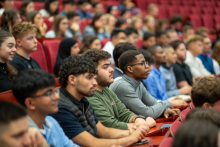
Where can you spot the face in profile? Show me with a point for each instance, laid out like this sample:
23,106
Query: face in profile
96,44
151,41
133,38
181,52
75,49
29,42
63,26
159,55
29,8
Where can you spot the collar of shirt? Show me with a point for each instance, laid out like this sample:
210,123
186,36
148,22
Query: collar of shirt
156,71
168,68
190,56
132,81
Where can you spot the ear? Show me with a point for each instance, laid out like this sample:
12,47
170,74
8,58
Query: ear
206,105
130,69
30,103
72,80
154,57
18,42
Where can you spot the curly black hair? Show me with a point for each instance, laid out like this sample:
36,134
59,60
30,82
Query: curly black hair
75,65
96,55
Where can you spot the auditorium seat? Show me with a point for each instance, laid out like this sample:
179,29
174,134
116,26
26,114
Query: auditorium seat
162,12
141,4
172,11
198,3
210,4
104,41
49,24
208,11
83,24
196,10
217,21
217,11
164,2
175,3
174,127
191,105
8,96
51,48
196,20
208,22
38,5
187,3
167,142
17,5
183,114
139,44
40,57
184,10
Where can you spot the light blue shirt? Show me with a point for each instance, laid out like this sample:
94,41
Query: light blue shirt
54,133
51,34
90,30
156,84
170,81
84,15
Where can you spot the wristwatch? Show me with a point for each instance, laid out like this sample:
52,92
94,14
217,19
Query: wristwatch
140,116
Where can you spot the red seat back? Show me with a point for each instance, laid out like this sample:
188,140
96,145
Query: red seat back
208,22
167,142
40,57
104,41
49,24
198,3
174,127
217,11
38,5
139,44
162,12
208,11
196,10
196,20
83,24
187,3
8,96
51,48
184,113
217,21
184,10
17,5
210,4
172,11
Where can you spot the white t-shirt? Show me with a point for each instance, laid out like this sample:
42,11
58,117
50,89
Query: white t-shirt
44,13
109,47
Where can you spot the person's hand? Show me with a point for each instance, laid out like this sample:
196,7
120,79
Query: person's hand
177,103
74,27
185,90
139,132
51,19
167,113
150,122
37,138
43,29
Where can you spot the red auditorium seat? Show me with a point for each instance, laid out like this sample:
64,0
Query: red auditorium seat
40,57
187,3
38,5
196,10
218,3
83,24
162,12
196,20
104,41
208,11
208,22
167,142
139,44
51,48
171,11
49,24
210,4
217,11
191,105
141,4
212,36
184,10
8,96
174,127
184,113
164,2
17,5
175,3
198,3
217,21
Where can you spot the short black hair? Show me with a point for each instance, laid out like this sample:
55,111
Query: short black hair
120,49
95,4
68,2
175,44
80,2
96,55
126,58
116,31
160,33
130,30
75,65
148,57
71,14
152,49
147,35
29,81
176,18
10,112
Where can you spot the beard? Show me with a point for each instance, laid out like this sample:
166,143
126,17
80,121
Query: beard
102,81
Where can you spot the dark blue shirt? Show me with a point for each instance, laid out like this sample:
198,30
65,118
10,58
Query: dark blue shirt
84,15
117,73
207,62
70,124
156,84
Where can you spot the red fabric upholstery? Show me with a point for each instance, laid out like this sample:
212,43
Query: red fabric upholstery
217,21
184,10
175,3
210,4
162,12
187,3
49,24
174,127
198,3
38,5
191,105
184,113
196,10
167,142
208,11
217,11
104,41
208,22
139,44
83,24
142,4
51,48
196,20
8,96
17,4
172,11
40,57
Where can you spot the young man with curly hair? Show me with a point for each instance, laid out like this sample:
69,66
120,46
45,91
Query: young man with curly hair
77,77
25,37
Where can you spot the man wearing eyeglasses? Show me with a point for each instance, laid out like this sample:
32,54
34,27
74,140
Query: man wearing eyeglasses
210,64
131,91
35,90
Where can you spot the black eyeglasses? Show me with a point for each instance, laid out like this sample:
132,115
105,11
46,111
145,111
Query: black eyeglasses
144,63
50,94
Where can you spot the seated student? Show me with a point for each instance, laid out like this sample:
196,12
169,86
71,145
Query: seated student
40,97
148,58
7,52
36,18
197,133
111,21
126,4
153,10
90,42
112,9
217,38
67,47
155,81
207,61
9,19
187,31
149,24
171,35
121,23
118,50
26,7
26,43
132,92
137,23
148,40
215,55
161,25
59,29
50,9
14,128
195,48
176,23
117,36
167,71
5,4
68,5
97,27
110,111
74,24
83,9
132,35
97,7
206,93
76,116
203,31
181,70
161,38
